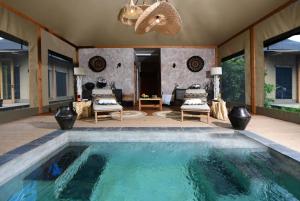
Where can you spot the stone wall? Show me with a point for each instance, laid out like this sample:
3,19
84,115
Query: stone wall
123,76
181,74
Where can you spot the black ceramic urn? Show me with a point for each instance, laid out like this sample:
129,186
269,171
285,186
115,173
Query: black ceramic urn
239,117
89,86
66,117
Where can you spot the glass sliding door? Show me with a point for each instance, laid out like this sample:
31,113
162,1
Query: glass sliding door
7,81
233,79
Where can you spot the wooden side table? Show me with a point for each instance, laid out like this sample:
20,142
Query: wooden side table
158,102
219,110
83,109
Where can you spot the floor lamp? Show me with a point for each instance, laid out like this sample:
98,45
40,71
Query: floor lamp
216,72
79,72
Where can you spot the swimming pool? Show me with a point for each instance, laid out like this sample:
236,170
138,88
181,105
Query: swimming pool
206,165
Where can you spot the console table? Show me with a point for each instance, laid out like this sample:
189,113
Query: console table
157,103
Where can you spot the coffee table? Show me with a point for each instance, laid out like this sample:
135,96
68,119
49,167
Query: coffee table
157,103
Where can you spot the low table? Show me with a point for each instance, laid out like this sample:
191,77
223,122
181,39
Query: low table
83,109
219,110
158,102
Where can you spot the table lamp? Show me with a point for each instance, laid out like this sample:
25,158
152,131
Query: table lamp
79,72
216,72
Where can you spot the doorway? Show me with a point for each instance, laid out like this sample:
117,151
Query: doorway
7,90
284,82
148,72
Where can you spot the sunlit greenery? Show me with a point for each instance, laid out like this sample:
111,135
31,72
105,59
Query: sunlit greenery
268,89
233,80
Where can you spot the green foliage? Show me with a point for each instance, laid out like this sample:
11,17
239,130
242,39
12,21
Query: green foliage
233,80
289,109
268,89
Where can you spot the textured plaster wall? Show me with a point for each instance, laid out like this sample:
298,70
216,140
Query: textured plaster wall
123,76
181,74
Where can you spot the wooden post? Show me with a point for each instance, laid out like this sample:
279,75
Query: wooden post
217,63
39,72
253,69
298,79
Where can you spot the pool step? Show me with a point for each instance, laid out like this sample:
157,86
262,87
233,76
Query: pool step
81,185
270,171
87,168
217,176
228,178
55,166
204,189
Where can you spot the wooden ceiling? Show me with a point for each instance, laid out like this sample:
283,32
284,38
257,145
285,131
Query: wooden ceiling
94,22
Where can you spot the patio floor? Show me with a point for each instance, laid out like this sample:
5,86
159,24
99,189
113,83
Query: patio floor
17,133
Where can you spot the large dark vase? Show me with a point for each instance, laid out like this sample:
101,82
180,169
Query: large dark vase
101,84
239,117
1,102
66,117
89,86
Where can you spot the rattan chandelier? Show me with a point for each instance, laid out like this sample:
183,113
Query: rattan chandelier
160,16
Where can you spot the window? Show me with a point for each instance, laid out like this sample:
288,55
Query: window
233,78
283,83
61,84
60,75
282,67
14,70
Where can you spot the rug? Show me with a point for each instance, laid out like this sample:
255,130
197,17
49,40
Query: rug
168,114
128,114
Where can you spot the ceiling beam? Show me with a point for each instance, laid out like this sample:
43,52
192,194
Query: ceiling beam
26,17
273,12
149,46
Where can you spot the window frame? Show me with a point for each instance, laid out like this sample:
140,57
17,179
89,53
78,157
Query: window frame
281,37
52,94
227,58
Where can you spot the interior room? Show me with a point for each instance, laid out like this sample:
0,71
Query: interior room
159,100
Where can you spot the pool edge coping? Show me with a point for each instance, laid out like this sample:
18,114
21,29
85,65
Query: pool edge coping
293,154
23,149
11,155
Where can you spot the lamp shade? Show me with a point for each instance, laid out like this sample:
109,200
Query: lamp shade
216,71
79,71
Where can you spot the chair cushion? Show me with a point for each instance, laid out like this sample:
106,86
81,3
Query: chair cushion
196,94
106,101
203,107
107,107
194,101
102,91
195,91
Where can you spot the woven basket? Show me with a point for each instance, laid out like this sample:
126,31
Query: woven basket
170,21
130,22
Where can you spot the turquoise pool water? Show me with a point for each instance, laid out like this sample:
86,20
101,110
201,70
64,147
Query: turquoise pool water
159,172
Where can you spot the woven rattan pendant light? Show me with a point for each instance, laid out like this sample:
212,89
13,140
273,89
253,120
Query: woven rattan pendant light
127,17
161,17
132,11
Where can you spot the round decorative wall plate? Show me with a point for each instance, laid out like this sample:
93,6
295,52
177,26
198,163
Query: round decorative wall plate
97,63
195,63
